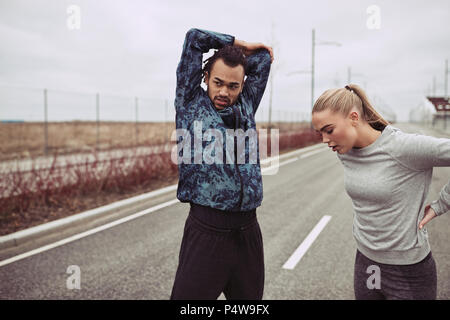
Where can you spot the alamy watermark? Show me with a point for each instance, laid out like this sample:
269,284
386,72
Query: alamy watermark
374,281
74,280
374,20
74,17
240,146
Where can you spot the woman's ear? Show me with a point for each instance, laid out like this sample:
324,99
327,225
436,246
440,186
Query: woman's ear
354,117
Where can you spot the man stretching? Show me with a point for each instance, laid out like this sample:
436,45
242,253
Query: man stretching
222,247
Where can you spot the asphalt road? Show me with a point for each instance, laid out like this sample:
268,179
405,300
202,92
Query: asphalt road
138,259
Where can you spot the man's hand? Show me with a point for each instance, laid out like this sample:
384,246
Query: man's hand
429,214
250,48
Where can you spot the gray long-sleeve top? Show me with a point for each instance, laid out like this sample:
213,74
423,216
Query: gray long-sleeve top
388,182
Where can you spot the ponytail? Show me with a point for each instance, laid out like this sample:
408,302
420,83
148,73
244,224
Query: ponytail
344,99
375,120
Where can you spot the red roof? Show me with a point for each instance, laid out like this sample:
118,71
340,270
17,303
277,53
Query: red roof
440,103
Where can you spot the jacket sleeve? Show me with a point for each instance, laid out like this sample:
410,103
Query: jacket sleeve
258,69
421,152
442,205
189,70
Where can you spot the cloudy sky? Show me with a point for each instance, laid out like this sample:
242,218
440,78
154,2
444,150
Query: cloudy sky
131,48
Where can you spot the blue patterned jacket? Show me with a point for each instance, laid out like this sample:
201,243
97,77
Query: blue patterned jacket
227,186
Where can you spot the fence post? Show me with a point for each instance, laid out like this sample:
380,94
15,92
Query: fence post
262,115
97,107
45,123
137,119
445,117
166,104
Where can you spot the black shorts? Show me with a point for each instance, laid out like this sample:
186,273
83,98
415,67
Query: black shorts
220,252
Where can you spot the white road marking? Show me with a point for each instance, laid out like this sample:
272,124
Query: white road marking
288,161
306,155
274,169
293,153
277,165
126,219
87,233
301,250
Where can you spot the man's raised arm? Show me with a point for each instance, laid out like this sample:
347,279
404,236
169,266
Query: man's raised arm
259,59
189,71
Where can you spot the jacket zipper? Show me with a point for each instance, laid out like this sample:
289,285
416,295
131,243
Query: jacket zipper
237,122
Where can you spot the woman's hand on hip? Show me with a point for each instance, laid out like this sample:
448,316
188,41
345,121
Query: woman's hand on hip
429,214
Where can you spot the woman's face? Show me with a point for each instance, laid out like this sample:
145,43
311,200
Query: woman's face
337,131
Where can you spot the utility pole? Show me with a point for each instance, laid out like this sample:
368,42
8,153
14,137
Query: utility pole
312,70
349,75
274,44
45,122
446,79
313,47
270,102
97,108
166,117
137,120
434,86
446,94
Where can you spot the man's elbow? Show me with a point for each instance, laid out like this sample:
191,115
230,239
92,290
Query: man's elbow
264,56
265,59
192,33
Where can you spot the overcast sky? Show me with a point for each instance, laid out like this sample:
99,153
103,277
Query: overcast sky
132,48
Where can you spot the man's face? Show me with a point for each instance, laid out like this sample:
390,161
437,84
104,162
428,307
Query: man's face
224,84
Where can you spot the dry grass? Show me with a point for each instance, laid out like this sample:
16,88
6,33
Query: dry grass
27,139
41,195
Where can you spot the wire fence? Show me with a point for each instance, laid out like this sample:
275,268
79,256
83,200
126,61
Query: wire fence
37,121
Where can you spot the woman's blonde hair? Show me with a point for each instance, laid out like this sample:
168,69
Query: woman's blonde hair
344,99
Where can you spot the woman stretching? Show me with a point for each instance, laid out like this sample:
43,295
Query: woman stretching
387,174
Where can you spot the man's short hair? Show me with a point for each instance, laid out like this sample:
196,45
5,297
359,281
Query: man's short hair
231,55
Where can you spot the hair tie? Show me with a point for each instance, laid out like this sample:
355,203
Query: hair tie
348,88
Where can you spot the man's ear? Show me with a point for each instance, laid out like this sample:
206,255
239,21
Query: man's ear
242,87
206,78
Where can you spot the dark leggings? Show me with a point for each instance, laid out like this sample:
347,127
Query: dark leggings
220,252
396,282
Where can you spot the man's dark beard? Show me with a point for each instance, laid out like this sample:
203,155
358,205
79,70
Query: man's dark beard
228,100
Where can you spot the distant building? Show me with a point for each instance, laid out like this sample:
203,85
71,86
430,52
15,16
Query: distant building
441,119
